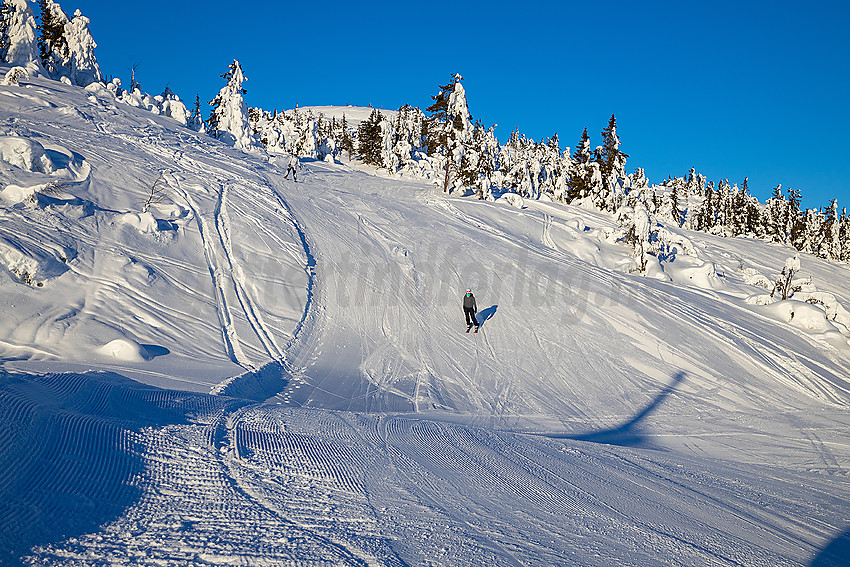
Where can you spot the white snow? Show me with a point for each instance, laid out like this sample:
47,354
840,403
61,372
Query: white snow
25,153
124,349
262,372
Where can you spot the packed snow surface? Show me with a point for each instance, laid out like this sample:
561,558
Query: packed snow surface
256,372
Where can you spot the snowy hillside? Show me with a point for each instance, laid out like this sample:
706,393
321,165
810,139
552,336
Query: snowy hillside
250,371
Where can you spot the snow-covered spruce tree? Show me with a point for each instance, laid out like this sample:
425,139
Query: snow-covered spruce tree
347,139
402,140
585,174
810,241
19,34
635,229
752,215
369,139
449,127
308,132
170,105
775,214
83,69
487,150
52,44
196,121
612,163
229,118
830,247
794,221
670,205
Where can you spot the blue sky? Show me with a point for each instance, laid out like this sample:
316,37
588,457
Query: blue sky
734,89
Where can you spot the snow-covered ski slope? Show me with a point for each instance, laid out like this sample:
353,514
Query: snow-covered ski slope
258,372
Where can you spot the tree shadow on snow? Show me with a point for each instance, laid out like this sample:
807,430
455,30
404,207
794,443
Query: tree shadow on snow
486,314
836,554
630,433
68,454
155,351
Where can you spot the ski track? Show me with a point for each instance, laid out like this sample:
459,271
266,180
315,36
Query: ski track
228,329
238,276
235,272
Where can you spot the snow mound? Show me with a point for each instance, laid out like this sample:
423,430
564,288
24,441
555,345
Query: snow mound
801,314
143,222
124,349
511,199
804,315
14,194
693,271
27,154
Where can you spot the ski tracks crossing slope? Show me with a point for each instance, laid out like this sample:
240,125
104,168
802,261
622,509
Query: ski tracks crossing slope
235,294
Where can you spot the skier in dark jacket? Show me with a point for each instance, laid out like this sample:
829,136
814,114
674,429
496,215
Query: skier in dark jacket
470,309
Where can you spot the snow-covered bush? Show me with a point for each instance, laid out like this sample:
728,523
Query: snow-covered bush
647,238
785,285
14,75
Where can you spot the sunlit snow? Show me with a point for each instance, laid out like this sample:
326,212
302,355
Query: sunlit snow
251,371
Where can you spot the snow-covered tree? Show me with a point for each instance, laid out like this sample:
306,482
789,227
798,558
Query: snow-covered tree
83,68
830,247
449,127
775,216
6,11
196,121
635,230
612,163
810,241
53,46
170,105
369,139
585,175
229,118
19,34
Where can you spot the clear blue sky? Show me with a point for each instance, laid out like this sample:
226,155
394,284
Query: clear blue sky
735,89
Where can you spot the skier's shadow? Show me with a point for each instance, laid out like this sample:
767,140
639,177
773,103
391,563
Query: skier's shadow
630,433
486,314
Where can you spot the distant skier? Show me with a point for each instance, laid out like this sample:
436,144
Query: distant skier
293,163
469,310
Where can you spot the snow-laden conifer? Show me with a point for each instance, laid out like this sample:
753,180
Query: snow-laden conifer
53,45
449,126
83,68
196,120
612,164
19,35
229,119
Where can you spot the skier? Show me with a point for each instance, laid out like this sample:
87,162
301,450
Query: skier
470,309
293,163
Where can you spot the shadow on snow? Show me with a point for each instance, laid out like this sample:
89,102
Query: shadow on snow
69,455
630,433
836,554
486,314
